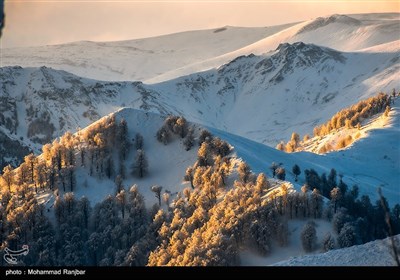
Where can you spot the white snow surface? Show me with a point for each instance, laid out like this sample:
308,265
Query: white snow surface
370,162
167,163
139,59
294,247
374,253
166,57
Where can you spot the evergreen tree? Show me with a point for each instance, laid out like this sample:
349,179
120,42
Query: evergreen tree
281,173
188,142
163,135
336,196
328,242
296,171
347,236
204,154
316,204
121,201
205,136
189,176
308,237
244,172
139,141
140,166
273,168
122,136
8,177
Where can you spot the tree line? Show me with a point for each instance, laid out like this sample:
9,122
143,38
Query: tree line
350,117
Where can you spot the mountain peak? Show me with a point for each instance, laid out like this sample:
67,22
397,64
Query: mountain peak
324,21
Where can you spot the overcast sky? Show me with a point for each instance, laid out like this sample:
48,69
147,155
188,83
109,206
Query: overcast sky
43,22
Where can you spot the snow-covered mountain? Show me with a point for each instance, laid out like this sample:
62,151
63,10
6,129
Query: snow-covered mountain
167,57
261,85
370,162
264,98
43,103
159,158
342,32
166,166
139,59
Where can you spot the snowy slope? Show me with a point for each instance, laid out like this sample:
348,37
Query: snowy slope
294,247
167,57
160,170
371,162
375,253
341,32
267,97
263,98
139,59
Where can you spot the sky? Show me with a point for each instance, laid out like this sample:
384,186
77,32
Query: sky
46,22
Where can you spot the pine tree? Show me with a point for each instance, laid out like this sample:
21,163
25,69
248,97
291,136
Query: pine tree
188,142
30,162
281,146
119,183
203,154
273,168
328,242
8,177
295,139
139,141
336,196
281,173
261,183
296,171
123,145
244,172
205,136
163,135
166,196
308,237
189,176
121,201
140,166
317,203
347,236
180,127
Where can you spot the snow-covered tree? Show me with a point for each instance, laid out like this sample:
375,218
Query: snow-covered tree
244,172
188,142
328,242
205,136
189,176
163,135
347,236
121,201
336,196
273,168
308,236
8,177
281,173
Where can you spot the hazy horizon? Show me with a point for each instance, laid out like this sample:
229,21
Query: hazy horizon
37,22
